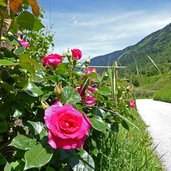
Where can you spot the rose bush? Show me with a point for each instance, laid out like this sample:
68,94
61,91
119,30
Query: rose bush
60,137
67,127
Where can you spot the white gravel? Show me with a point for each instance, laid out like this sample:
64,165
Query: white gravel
157,116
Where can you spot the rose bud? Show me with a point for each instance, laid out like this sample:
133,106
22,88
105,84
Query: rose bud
24,43
89,100
45,105
132,104
81,91
58,89
76,54
91,89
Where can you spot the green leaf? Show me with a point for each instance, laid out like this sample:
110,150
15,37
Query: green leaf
13,40
115,127
32,90
7,167
17,109
6,86
14,27
3,126
9,54
98,79
28,21
70,95
2,160
105,90
5,75
62,68
3,3
19,50
85,162
4,111
37,157
4,62
125,125
17,113
22,142
64,154
92,75
28,67
48,168
38,128
14,166
98,123
26,59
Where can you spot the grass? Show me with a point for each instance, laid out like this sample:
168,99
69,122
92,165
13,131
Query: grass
164,94
151,85
129,150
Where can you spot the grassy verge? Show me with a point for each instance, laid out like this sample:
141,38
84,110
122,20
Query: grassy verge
152,85
164,94
129,150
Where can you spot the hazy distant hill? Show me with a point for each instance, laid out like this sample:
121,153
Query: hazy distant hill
157,45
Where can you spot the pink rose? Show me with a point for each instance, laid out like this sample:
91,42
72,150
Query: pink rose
90,70
76,54
24,43
132,104
89,100
81,91
52,60
67,127
91,89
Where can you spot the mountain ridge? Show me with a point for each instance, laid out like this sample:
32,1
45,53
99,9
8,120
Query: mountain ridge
157,45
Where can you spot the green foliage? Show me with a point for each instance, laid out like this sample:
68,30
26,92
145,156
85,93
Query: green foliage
27,89
98,124
40,42
84,162
150,85
32,23
127,150
70,95
22,142
164,94
37,156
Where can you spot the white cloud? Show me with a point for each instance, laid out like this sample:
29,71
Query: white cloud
98,34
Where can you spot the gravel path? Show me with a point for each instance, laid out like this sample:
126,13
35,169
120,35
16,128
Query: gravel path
157,116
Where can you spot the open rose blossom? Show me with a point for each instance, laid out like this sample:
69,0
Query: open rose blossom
67,127
52,60
76,54
24,43
132,104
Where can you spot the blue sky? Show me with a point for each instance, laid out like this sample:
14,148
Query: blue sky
99,27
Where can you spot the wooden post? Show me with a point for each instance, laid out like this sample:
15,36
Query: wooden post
116,70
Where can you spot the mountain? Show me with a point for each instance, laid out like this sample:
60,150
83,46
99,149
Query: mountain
156,45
